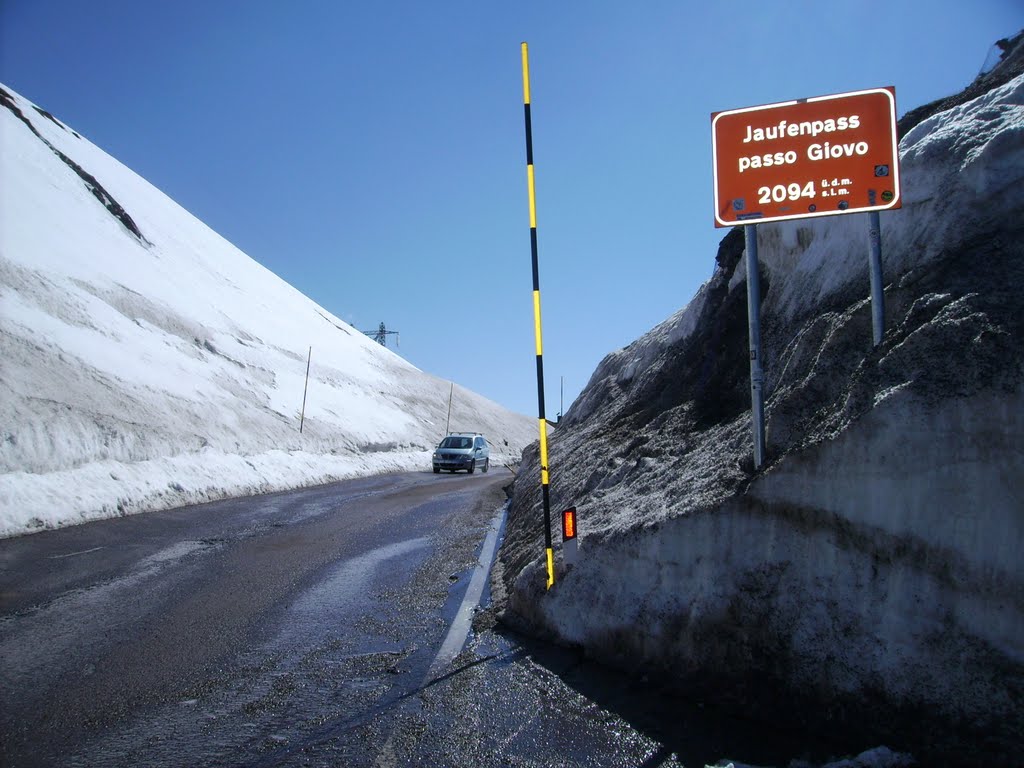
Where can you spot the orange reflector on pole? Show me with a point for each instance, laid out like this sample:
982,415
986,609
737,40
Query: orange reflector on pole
570,546
569,524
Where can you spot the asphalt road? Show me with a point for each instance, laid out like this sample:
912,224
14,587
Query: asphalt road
304,629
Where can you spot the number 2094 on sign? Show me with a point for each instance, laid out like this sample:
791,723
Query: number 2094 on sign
782,192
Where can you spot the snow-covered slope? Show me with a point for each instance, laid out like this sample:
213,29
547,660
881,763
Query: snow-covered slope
145,362
870,575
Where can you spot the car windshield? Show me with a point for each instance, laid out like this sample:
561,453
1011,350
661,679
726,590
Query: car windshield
457,442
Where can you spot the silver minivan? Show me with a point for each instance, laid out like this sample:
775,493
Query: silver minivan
463,450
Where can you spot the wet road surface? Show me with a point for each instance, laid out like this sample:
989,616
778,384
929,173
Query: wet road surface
303,629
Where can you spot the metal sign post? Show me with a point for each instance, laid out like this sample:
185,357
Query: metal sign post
877,288
754,327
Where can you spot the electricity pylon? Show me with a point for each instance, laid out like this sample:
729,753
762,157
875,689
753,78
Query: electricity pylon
381,335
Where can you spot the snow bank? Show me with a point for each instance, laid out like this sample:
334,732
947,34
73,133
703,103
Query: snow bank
148,363
101,489
869,576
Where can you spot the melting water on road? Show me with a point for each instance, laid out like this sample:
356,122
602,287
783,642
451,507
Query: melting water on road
344,645
352,582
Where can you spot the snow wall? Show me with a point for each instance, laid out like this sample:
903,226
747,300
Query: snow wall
147,363
868,578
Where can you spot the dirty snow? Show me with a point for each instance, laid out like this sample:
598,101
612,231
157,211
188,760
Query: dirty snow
869,569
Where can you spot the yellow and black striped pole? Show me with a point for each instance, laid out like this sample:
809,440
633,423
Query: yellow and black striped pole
544,478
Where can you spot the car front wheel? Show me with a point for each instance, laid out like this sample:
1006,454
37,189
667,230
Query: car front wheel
472,467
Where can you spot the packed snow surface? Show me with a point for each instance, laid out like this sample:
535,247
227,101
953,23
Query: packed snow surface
148,363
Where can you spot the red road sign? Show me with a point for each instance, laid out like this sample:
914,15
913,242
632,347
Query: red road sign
811,157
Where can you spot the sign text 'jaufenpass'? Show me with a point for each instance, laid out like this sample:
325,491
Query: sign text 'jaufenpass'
812,157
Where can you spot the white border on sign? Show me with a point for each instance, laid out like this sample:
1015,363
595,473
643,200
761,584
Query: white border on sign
790,103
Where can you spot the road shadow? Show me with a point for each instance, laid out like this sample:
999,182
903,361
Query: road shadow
695,730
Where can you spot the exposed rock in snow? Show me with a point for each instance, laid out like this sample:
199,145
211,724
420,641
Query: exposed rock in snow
870,576
148,363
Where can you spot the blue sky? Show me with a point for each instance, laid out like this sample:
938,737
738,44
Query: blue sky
372,154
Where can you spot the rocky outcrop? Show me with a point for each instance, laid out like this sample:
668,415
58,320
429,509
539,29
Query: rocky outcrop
96,189
869,576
